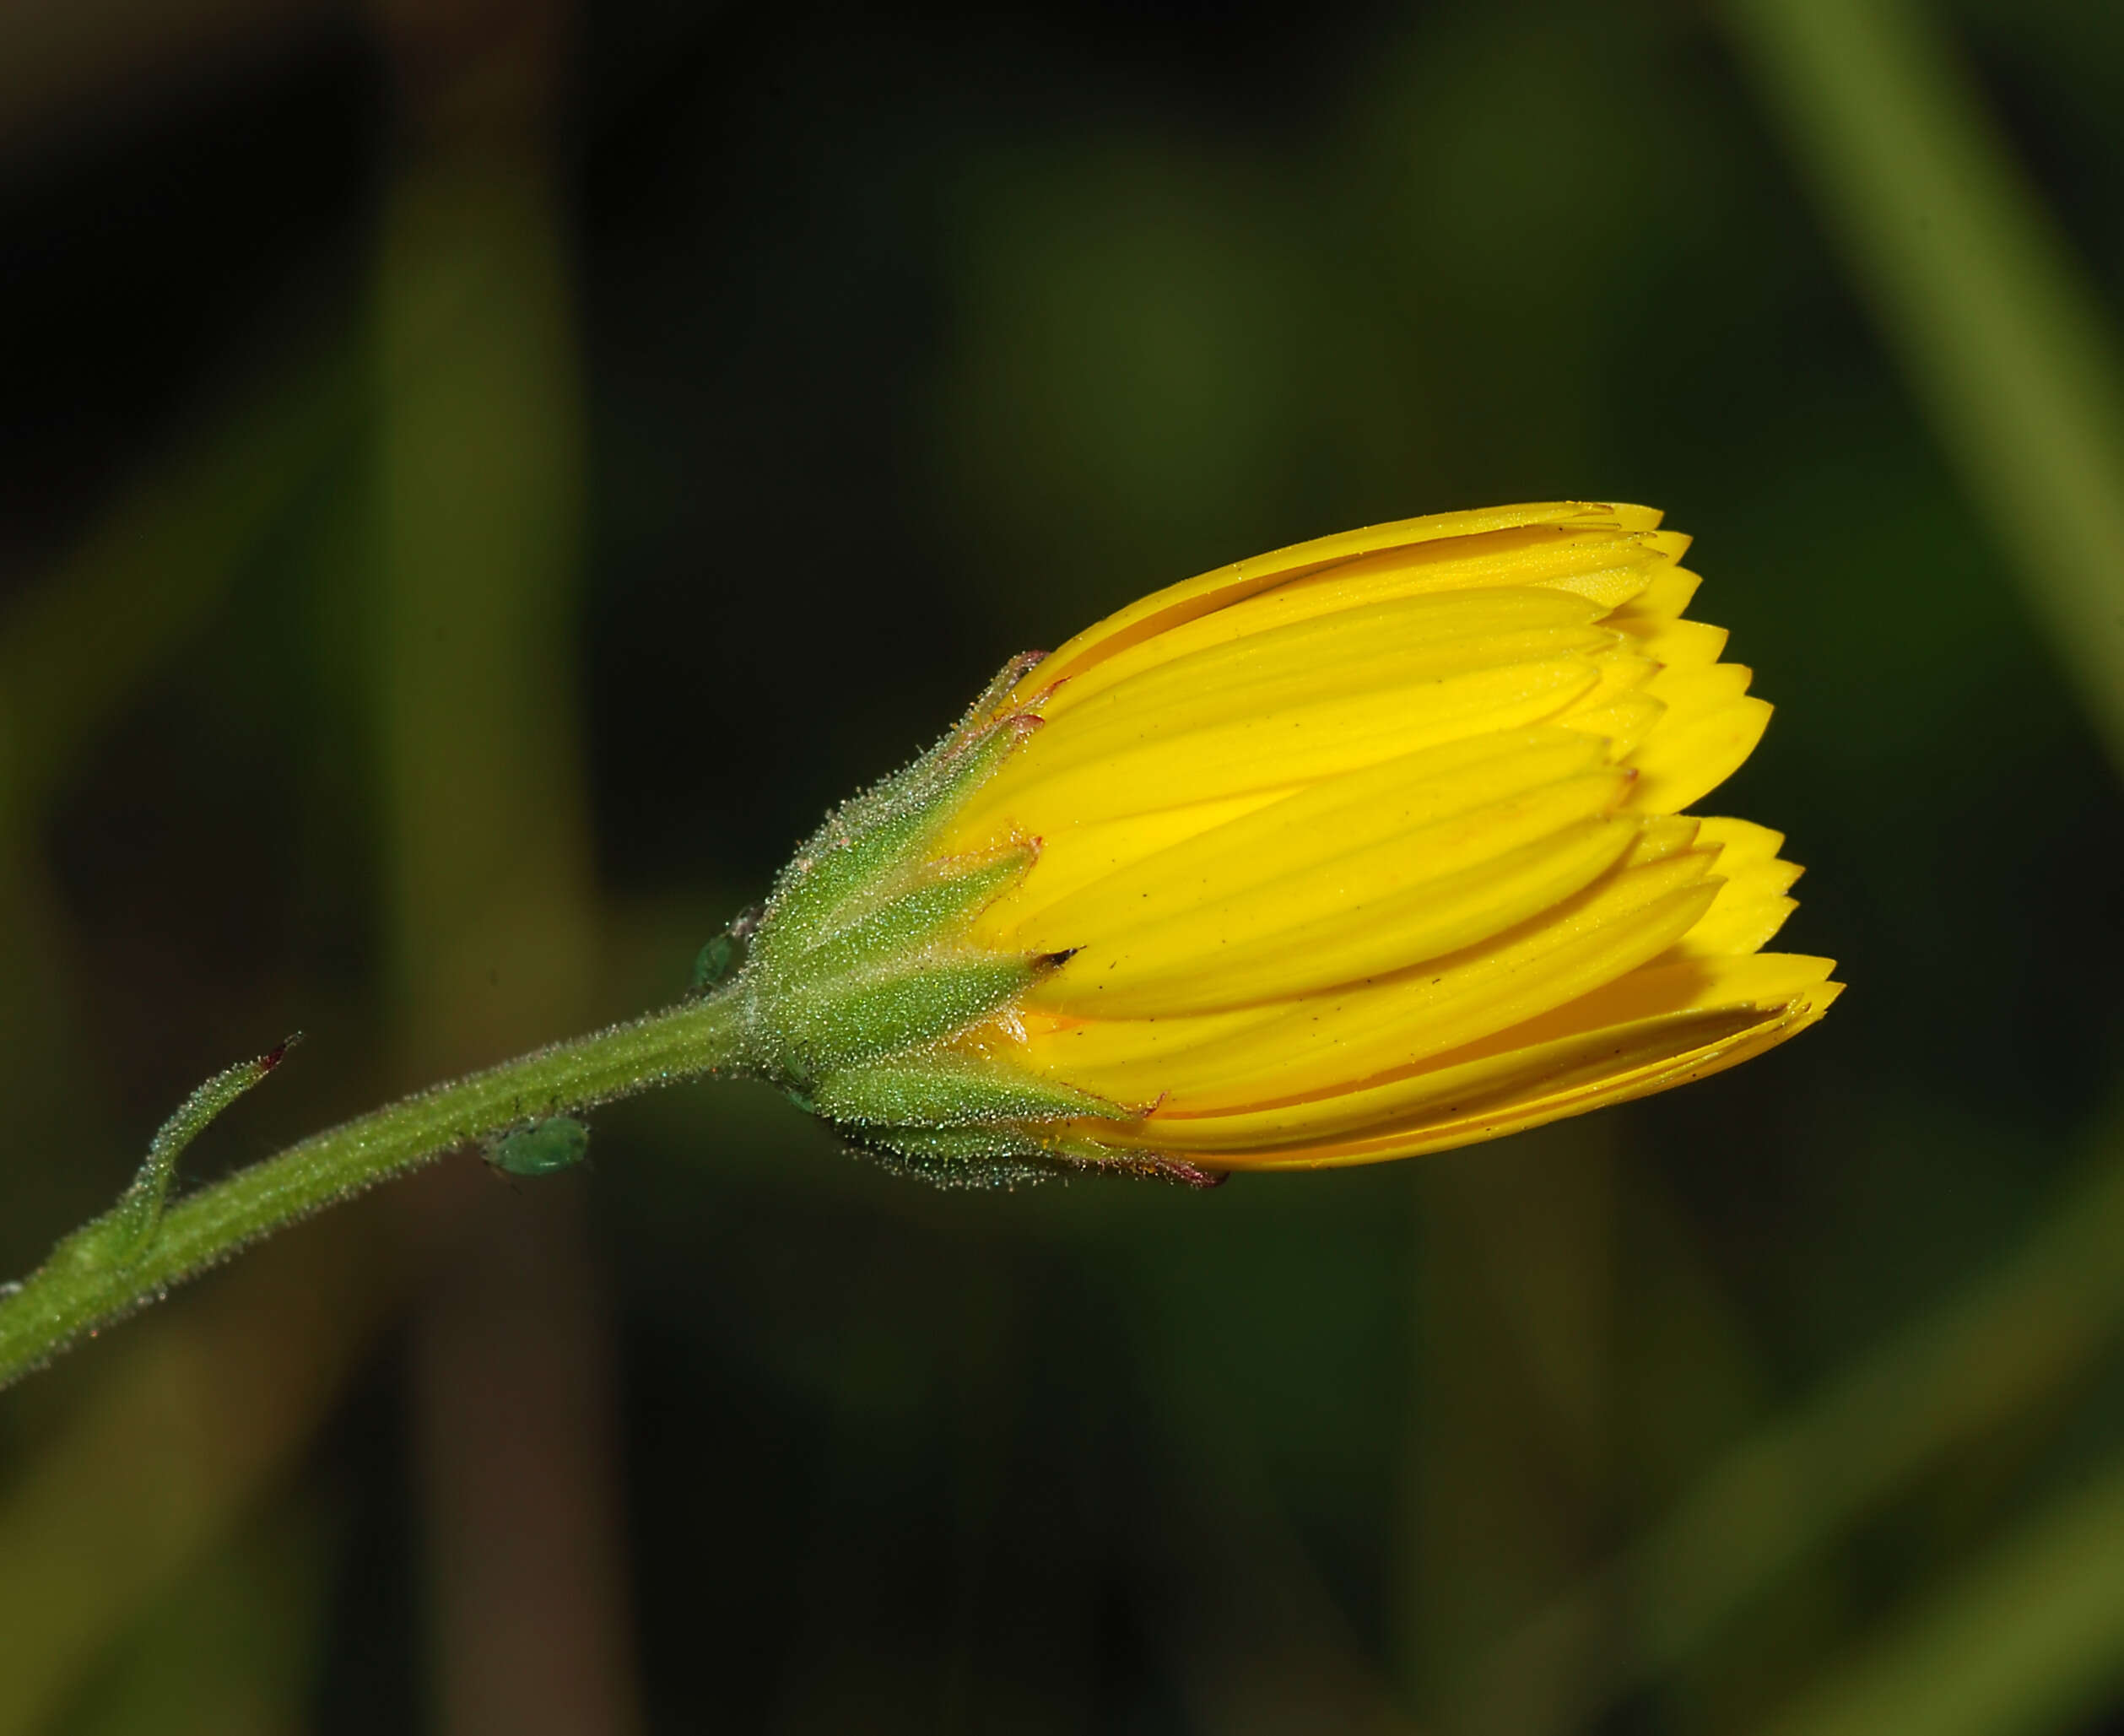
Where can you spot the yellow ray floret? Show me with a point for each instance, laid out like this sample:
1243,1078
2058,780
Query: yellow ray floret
1375,846
1164,611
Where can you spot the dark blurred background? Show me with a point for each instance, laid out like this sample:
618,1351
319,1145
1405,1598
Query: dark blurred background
479,477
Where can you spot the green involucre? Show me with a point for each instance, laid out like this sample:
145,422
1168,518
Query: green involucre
927,916
869,846
862,971
825,1025
950,1091
962,1157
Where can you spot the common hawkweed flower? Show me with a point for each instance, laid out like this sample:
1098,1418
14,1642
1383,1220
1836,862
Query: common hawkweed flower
1370,846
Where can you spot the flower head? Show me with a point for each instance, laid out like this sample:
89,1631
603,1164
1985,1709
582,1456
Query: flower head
1371,846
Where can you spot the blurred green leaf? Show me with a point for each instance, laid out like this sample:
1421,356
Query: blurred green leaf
197,1409
2030,1639
229,1649
1977,294
1968,1365
489,885
78,644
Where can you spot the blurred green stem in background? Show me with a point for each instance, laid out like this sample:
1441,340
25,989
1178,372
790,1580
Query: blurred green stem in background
489,910
87,1283
2025,1639
1515,1325
1970,1364
1976,293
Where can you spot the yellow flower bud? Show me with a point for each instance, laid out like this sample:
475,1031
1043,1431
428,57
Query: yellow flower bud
1367,847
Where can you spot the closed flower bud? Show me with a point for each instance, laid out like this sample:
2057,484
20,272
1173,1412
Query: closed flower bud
1371,846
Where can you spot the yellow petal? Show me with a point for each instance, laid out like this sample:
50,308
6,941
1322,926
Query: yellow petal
1638,1062
1281,835
1652,1019
1327,735
1623,724
1672,644
1742,844
1663,599
1330,1042
1623,672
1692,691
1178,604
1403,642
1664,836
1606,568
1751,906
1351,916
1683,760
1660,988
1077,852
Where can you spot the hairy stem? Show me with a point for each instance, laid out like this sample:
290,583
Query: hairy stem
92,1278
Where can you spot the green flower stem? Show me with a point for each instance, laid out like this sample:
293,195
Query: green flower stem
108,1269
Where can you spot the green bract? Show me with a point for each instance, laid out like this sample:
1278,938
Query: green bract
860,974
